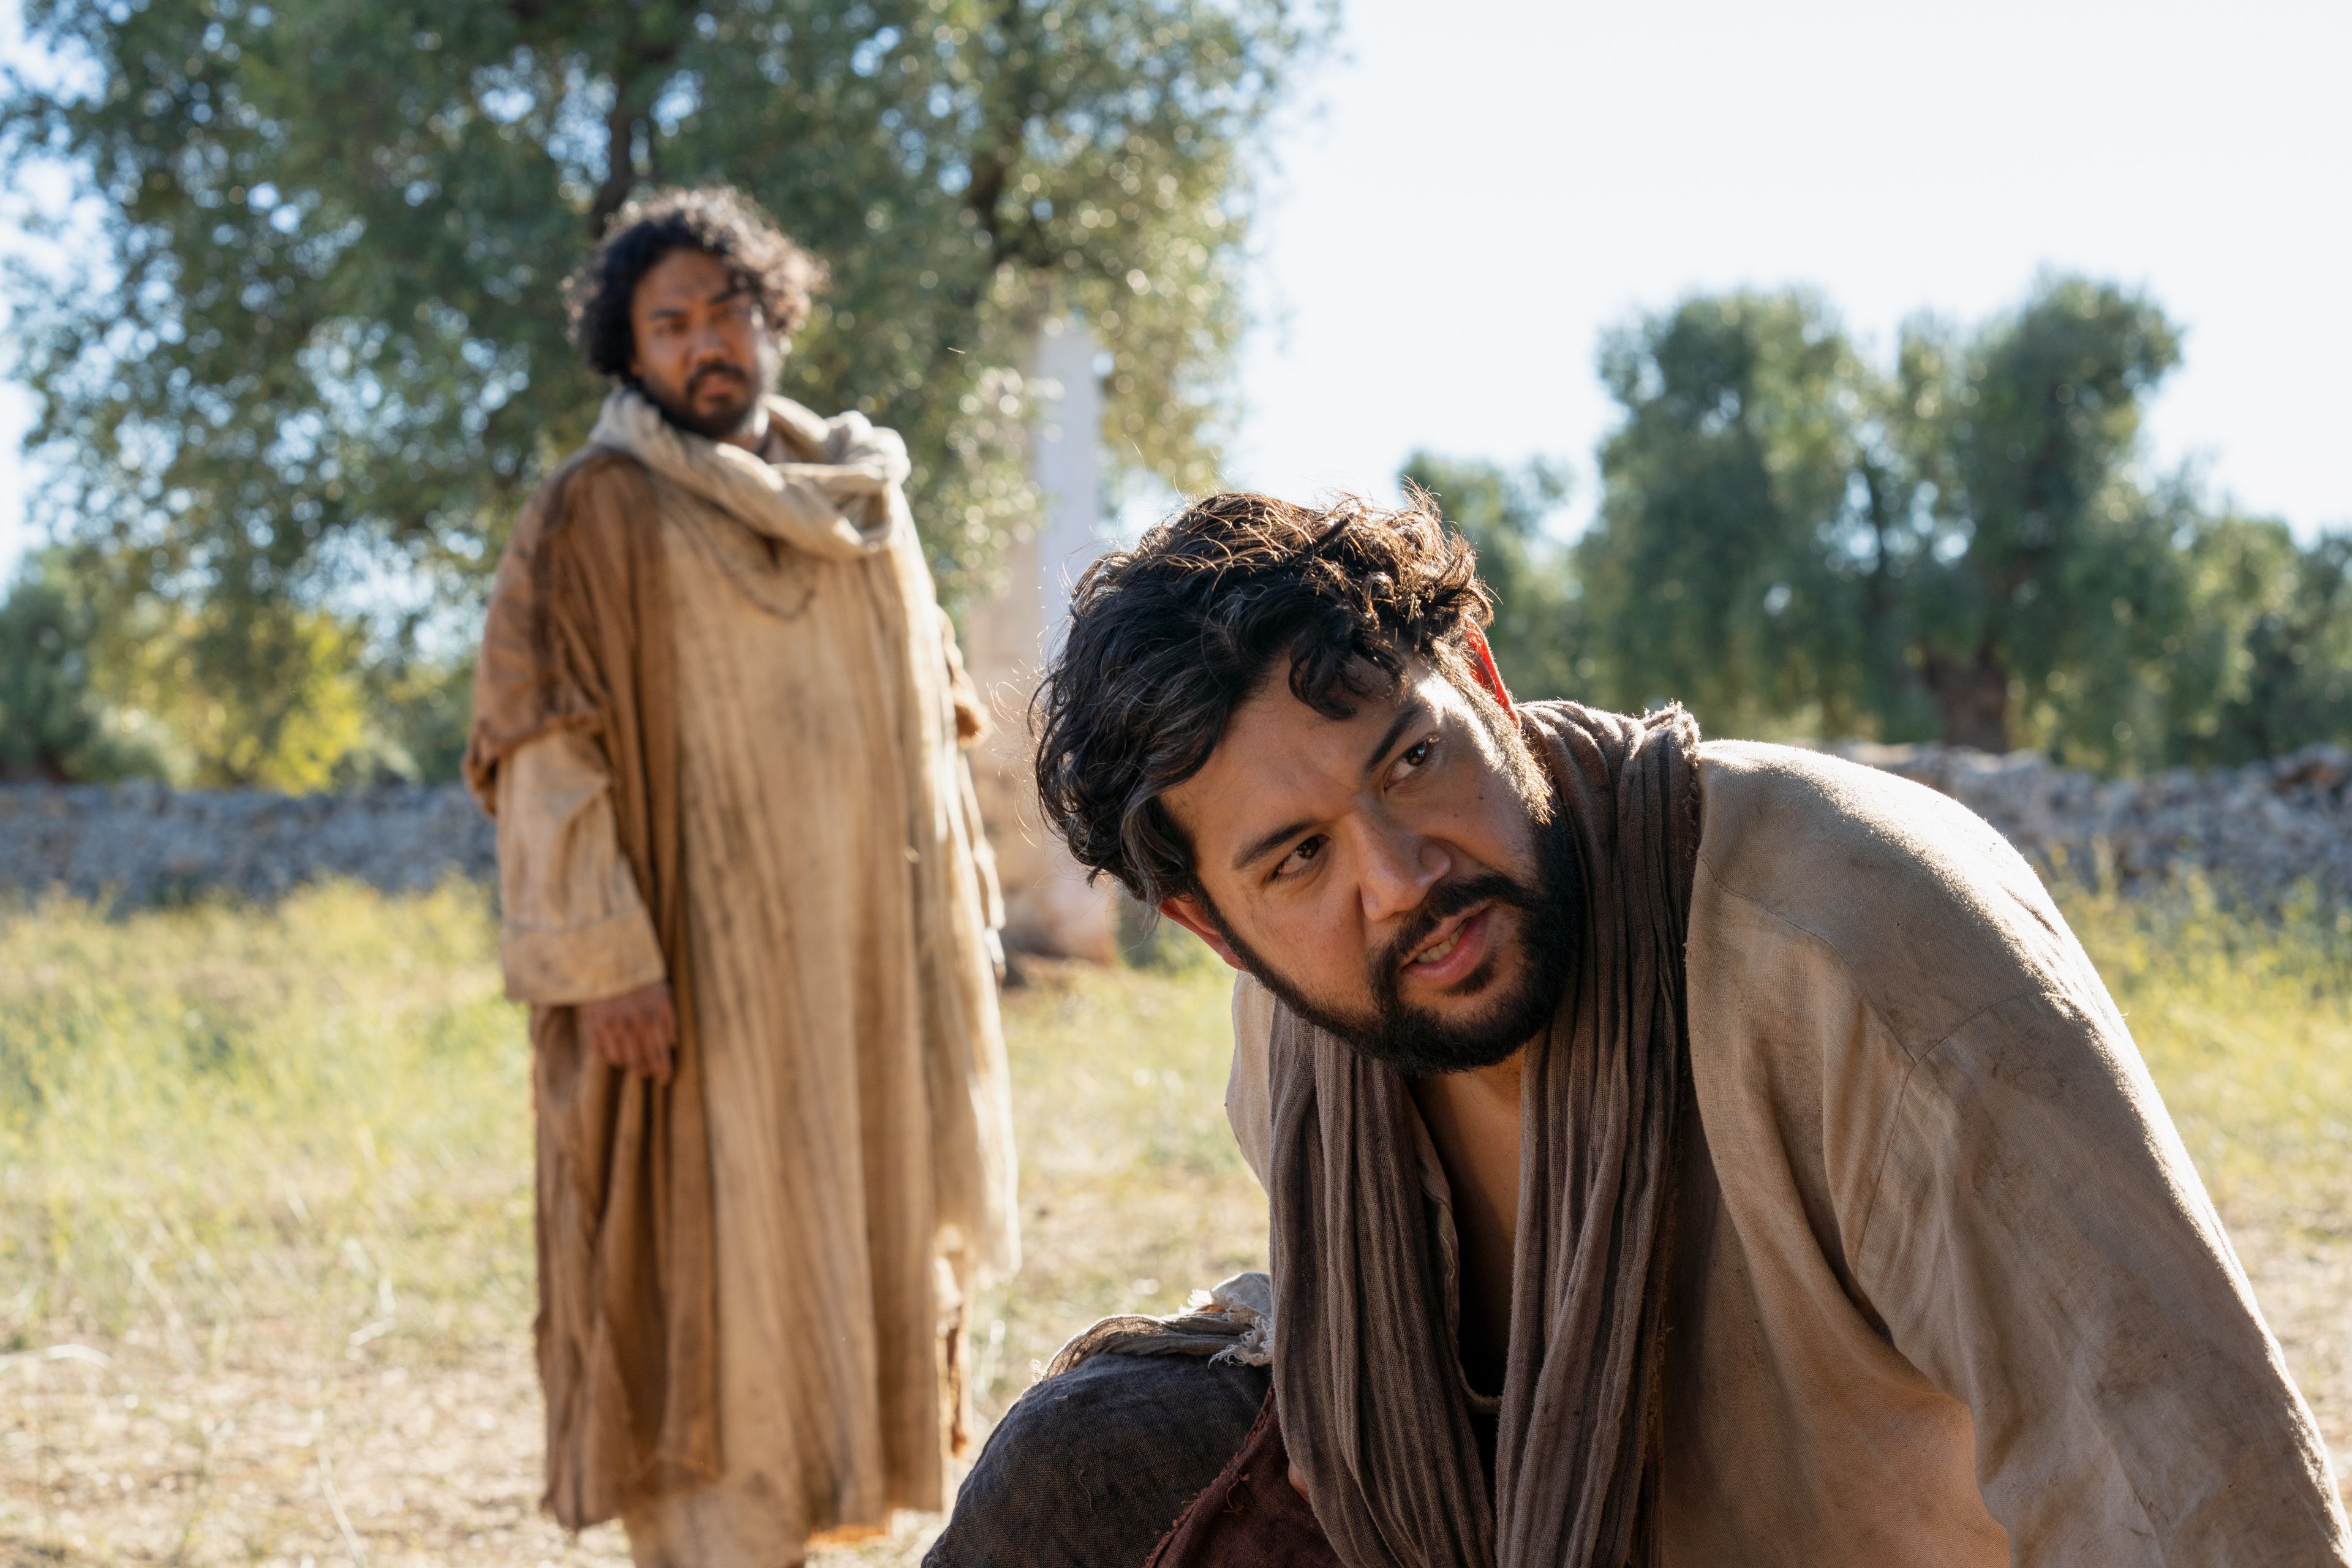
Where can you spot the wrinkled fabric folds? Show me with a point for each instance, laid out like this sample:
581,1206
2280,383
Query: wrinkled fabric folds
1375,1411
581,636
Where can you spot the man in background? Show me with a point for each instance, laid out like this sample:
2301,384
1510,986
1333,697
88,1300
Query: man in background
717,716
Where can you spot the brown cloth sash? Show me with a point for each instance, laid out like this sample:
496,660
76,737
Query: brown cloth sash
1250,1516
1374,1408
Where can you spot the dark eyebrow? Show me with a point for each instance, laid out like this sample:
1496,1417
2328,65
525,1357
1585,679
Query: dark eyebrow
1411,712
735,291
1267,844
1258,849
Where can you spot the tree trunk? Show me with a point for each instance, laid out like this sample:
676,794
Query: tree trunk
1971,700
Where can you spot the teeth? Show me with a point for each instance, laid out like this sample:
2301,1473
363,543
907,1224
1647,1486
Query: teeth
1436,955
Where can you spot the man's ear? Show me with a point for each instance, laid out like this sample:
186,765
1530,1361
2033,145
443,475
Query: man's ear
1483,670
1186,911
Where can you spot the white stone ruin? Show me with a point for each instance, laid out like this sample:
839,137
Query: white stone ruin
1050,907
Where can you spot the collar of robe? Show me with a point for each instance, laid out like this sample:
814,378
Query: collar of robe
836,511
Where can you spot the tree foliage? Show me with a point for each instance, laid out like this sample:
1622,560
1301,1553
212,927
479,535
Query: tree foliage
1504,514
2294,652
93,689
299,720
55,723
2037,557
1713,573
325,337
1967,545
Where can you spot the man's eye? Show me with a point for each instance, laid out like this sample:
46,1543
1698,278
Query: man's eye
1300,858
1417,753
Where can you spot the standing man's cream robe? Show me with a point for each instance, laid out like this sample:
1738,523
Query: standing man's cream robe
851,1065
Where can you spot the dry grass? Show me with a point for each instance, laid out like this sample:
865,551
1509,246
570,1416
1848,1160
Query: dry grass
265,1246
265,1287
2247,1027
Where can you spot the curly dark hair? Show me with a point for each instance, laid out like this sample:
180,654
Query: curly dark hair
1167,639
716,220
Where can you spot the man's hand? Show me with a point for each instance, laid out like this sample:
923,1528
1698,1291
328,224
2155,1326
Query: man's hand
635,1031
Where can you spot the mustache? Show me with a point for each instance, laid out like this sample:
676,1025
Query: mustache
694,382
1449,898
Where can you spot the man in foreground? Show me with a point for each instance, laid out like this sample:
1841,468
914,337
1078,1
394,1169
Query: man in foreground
745,893
1676,1153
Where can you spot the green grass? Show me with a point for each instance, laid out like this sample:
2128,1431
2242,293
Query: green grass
219,1114
316,1116
319,1112
1132,1192
276,1163
2247,1027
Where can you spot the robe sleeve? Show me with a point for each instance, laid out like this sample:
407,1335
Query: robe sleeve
2038,1244
573,927
970,724
983,858
971,712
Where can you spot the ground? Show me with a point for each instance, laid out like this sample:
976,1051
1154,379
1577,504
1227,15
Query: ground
264,1216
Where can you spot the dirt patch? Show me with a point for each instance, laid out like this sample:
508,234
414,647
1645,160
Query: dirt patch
399,1453
393,1456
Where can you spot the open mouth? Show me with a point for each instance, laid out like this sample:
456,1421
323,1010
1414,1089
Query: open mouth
1437,954
1453,951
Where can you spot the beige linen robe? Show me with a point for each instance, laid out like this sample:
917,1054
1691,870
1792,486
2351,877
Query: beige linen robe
823,994
1947,1289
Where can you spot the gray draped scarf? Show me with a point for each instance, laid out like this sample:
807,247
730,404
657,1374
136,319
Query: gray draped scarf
1374,1408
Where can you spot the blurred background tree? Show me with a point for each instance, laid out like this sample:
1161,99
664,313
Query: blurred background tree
56,722
292,405
2047,582
95,688
1505,512
2294,652
298,720
323,345
1712,574
1966,547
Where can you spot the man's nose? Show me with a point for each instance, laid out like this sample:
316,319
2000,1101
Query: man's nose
709,346
1399,869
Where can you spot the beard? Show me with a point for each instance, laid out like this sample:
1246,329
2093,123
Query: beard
1419,1043
726,419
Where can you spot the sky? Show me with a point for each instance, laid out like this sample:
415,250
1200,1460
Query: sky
1467,195
1490,184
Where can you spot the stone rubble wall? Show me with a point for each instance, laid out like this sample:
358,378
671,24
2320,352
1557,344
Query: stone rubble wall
2255,833
139,843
